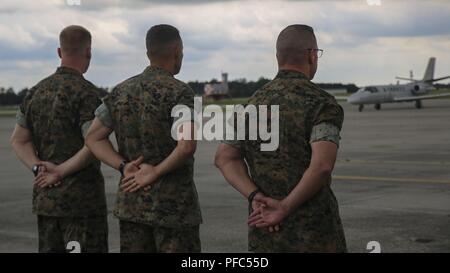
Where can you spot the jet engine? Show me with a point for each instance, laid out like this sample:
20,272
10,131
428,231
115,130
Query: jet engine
418,90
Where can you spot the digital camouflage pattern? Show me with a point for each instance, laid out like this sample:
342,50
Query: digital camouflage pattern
142,238
55,111
316,225
140,110
325,132
56,232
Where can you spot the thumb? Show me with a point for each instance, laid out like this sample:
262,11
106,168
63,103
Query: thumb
42,166
265,200
138,161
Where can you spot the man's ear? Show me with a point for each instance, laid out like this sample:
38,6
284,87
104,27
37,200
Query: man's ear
59,52
89,53
311,57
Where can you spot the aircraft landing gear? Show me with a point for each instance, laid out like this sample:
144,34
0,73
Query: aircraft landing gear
418,104
378,106
361,107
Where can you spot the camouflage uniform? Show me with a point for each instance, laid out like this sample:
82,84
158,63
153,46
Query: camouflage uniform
139,111
307,114
57,111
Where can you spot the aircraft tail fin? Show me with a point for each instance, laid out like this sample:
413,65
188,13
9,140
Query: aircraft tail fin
429,72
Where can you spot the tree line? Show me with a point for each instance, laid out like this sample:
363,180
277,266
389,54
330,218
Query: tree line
239,88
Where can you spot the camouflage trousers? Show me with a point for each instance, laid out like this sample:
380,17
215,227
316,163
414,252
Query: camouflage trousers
142,238
311,235
55,233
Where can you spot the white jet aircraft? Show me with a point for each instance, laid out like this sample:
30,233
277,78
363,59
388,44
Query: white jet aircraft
416,90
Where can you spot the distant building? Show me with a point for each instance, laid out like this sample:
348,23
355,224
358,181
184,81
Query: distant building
217,90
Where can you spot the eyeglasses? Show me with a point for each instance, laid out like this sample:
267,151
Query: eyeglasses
318,50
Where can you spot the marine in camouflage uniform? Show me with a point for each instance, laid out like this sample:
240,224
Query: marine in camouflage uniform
58,111
165,218
307,114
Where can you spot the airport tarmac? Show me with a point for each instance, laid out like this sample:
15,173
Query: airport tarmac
392,181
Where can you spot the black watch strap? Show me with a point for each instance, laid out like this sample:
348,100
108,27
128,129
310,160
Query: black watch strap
252,195
122,166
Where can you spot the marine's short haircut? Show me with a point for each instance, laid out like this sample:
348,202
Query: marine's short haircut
160,38
293,42
74,39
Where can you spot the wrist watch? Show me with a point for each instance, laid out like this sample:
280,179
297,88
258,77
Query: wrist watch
252,195
122,166
35,170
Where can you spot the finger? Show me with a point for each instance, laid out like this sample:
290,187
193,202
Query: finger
132,188
40,174
255,212
136,187
138,161
256,216
263,199
271,229
128,178
45,184
127,182
41,180
254,220
49,183
38,179
42,167
262,224
258,223
277,228
130,185
147,188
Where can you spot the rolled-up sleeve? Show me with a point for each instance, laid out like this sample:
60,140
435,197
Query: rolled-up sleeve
325,131
103,114
21,119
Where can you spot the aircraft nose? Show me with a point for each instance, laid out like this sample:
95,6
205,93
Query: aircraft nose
351,99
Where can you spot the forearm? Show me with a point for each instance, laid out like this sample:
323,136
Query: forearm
175,160
26,152
236,173
76,163
105,152
312,181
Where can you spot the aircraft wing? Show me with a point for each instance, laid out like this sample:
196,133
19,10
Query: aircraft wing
406,79
426,97
438,79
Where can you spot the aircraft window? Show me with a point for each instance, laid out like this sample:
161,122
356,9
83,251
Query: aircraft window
371,89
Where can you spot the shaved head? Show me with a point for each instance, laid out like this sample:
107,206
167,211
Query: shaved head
165,47
292,44
74,40
161,39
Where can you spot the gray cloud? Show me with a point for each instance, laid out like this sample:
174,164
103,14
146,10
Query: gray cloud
363,44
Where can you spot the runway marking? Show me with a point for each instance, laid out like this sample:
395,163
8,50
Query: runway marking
391,179
405,162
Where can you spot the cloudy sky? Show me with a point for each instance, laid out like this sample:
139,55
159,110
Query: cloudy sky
364,44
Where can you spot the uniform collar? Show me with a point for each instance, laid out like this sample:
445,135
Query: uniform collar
291,74
157,71
68,70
